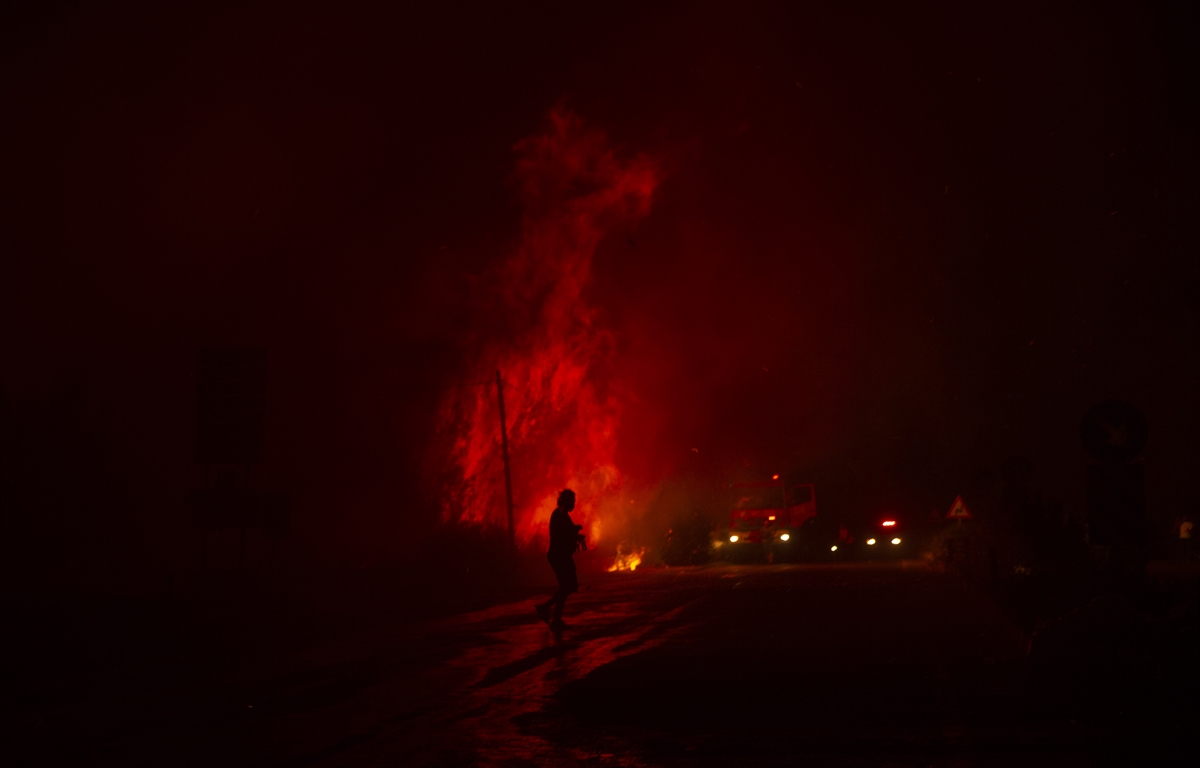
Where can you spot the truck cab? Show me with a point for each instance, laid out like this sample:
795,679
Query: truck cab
765,520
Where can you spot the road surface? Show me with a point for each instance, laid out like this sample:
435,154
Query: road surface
852,664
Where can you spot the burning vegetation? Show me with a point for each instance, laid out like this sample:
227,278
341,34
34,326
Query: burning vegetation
628,558
541,333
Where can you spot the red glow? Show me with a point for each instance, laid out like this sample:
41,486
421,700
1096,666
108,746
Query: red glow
564,419
774,477
888,523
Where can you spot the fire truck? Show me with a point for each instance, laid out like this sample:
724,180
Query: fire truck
767,521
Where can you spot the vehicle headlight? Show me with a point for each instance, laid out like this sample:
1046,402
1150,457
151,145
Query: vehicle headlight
784,537
895,541
871,542
732,539
833,548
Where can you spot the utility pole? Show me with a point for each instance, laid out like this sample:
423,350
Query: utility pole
512,537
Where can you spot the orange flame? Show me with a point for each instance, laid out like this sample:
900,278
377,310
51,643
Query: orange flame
627,560
563,416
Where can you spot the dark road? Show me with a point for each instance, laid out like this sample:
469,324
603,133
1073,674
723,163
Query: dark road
849,664
861,664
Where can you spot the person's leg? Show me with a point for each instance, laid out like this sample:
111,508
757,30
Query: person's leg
567,583
551,610
559,600
552,599
543,609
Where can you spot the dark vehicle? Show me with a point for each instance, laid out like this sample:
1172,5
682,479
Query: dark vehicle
831,540
767,521
885,537
688,541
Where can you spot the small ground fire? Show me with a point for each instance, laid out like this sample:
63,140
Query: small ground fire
628,558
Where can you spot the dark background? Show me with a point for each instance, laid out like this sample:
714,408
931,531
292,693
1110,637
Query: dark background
895,245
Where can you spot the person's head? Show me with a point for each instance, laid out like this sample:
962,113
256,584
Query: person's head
566,499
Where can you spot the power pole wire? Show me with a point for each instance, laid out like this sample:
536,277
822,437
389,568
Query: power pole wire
508,498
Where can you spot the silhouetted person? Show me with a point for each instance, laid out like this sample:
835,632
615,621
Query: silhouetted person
565,538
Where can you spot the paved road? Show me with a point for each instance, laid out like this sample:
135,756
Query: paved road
681,666
865,664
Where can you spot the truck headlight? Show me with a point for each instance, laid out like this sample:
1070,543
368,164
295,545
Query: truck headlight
895,541
833,548
870,542
732,539
784,537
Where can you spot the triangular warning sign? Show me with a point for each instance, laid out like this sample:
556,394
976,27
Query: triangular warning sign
958,510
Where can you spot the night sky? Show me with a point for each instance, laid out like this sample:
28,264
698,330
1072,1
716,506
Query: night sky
892,246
